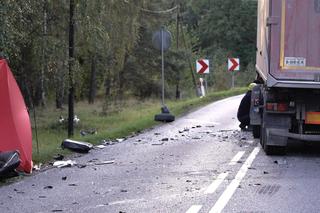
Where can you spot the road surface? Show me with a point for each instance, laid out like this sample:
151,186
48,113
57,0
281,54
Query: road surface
202,162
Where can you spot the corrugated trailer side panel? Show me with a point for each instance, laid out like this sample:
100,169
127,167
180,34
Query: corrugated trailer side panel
262,59
294,27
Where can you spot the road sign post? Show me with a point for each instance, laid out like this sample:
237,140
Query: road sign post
162,40
202,66
233,65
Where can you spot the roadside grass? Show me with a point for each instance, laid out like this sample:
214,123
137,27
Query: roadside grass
133,117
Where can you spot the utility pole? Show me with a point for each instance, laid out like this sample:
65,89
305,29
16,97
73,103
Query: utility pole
177,46
71,63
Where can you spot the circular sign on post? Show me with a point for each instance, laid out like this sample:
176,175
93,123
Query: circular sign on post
159,36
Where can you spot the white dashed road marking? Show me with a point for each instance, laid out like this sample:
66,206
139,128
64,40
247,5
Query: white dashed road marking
216,183
236,158
194,209
227,194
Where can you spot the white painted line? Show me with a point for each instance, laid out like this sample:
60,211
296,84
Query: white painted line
227,194
236,158
194,209
216,183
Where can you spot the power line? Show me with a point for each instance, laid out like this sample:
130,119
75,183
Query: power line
160,11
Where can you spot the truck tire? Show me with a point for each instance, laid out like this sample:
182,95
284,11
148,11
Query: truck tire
256,131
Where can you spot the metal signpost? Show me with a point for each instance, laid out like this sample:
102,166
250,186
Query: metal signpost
233,65
162,40
202,66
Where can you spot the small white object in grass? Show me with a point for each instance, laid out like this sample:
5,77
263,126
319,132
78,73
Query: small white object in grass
61,119
76,120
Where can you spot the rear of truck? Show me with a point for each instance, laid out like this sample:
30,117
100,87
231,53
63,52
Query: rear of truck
287,103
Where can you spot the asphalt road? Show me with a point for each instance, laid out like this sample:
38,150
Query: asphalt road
202,162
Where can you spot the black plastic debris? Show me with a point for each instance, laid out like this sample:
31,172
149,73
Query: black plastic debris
88,132
48,187
58,157
77,146
9,161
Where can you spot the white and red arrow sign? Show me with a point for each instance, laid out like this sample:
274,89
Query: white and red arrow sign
202,66
233,64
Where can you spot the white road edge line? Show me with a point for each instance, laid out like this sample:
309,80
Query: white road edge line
227,194
194,209
236,158
216,183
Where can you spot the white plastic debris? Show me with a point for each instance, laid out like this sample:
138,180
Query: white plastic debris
100,146
67,163
37,167
76,120
104,162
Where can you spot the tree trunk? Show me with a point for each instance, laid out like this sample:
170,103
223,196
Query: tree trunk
177,46
93,86
71,62
41,92
60,86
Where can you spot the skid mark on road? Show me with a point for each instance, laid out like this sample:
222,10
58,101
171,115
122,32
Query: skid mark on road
268,189
227,194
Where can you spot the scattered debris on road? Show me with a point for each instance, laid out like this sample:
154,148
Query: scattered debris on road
37,167
61,164
280,162
77,146
119,140
104,162
100,146
58,157
157,144
184,130
48,187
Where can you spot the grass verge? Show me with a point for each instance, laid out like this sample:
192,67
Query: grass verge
133,118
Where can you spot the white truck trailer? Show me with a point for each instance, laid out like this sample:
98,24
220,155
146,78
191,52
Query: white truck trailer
287,103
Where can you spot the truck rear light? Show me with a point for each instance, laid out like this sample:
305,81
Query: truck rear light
271,106
277,107
282,107
312,118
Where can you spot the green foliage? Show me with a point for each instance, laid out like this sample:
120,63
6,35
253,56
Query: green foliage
113,42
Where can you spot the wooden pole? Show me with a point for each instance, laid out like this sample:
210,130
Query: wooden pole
71,63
